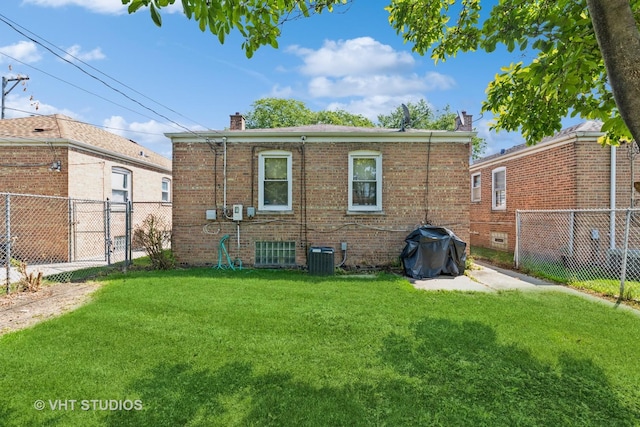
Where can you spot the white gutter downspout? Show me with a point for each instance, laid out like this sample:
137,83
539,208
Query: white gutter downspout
224,178
612,199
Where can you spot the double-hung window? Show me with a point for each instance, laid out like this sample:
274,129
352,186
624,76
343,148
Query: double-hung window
166,190
365,181
274,174
475,187
499,188
120,185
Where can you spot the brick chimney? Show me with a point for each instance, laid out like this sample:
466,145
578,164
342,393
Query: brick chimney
467,126
237,122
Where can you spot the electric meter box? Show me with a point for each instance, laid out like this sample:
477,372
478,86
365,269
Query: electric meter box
237,213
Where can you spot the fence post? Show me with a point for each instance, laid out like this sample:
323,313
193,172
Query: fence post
572,227
516,253
623,267
7,259
107,231
127,232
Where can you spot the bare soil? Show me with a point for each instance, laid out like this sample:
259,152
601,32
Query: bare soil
21,310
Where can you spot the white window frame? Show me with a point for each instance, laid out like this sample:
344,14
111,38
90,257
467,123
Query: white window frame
274,154
126,188
364,154
476,186
166,194
499,202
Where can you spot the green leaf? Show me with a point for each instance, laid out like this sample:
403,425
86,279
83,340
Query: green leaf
155,15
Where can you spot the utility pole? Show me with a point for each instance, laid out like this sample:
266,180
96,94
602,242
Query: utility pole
6,92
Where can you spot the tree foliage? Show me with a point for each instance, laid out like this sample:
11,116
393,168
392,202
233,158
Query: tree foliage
258,21
577,57
564,76
278,112
424,116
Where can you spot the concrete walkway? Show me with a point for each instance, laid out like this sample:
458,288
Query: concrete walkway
487,278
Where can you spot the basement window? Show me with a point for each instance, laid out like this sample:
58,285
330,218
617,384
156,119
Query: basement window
280,254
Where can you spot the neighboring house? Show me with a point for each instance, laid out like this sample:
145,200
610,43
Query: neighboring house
569,170
58,156
276,193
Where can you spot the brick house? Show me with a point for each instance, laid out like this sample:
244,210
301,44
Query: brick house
60,157
569,170
277,192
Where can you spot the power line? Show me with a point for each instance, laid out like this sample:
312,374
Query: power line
99,71
10,23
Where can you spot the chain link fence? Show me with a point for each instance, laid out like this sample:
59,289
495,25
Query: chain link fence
58,236
579,245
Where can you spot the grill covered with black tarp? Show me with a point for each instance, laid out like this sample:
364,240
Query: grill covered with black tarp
431,251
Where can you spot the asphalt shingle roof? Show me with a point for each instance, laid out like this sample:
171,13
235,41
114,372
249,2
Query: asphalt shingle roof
58,126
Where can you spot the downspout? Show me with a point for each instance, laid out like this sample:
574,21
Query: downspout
224,178
612,200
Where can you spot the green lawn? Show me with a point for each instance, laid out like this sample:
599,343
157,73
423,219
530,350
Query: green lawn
204,347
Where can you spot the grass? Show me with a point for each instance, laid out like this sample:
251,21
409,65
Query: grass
203,347
587,279
498,258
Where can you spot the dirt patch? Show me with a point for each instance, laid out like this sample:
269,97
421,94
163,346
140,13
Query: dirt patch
23,309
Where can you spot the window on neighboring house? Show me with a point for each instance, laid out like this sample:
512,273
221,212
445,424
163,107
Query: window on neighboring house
475,187
166,190
499,188
120,185
274,175
365,181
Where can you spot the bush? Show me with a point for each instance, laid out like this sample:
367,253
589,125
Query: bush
154,235
29,282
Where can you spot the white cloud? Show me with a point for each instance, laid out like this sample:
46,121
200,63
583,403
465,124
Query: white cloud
437,81
366,85
359,56
365,76
278,91
18,105
496,141
148,134
372,106
75,52
111,7
97,6
22,51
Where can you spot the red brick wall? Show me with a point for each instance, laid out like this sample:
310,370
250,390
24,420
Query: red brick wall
544,180
322,181
574,175
33,179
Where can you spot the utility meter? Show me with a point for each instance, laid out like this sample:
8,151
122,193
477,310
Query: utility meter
237,213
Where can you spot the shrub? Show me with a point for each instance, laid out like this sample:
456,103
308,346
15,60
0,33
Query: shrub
29,282
154,235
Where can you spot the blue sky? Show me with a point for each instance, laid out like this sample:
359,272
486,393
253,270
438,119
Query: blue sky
140,81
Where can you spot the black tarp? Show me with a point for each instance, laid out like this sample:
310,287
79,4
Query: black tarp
431,251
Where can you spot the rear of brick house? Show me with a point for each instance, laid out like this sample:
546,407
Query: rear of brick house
570,170
314,186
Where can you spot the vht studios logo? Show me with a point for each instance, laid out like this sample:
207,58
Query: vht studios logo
88,405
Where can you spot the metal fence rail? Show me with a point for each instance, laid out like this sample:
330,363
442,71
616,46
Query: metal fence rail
580,245
56,236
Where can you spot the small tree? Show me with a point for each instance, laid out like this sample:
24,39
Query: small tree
154,235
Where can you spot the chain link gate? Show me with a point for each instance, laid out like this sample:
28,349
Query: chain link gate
580,245
57,236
